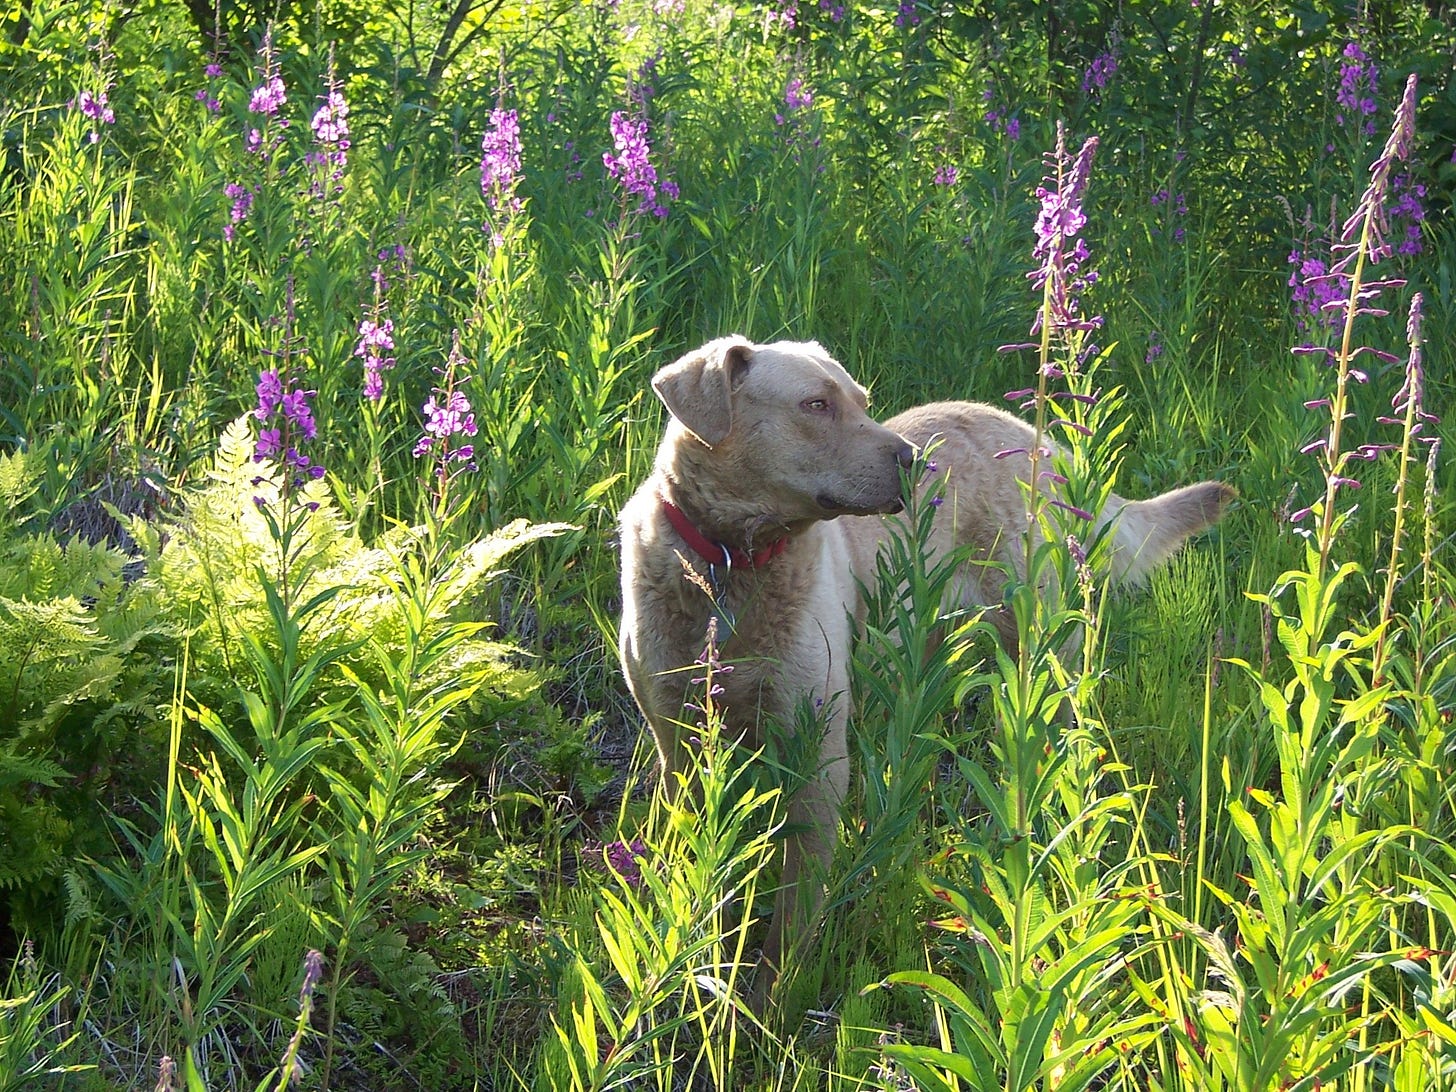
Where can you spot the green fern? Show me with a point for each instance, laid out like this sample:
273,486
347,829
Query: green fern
209,569
19,480
79,651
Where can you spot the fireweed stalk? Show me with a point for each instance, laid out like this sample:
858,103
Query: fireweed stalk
1061,276
263,139
376,338
313,970
500,171
285,426
375,349
1409,403
95,105
329,157
448,418
1363,239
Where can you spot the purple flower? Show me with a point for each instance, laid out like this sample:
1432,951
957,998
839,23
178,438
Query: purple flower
631,164
1063,254
1409,401
794,117
269,96
1359,80
623,859
242,199
376,341
270,394
1408,213
786,16
500,163
297,412
1000,119
270,443
313,972
907,15
834,10
330,126
1368,224
266,101
946,175
1099,72
96,107
287,420
448,416
1177,207
331,120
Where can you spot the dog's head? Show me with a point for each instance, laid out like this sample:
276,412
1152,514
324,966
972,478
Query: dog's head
785,421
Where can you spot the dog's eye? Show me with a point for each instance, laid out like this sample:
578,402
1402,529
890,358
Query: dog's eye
814,405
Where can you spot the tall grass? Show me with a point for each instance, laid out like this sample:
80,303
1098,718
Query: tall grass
308,789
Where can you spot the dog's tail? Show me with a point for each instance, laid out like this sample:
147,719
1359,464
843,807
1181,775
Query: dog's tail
1148,532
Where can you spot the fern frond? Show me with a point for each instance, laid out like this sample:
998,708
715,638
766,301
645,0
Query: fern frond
22,769
19,479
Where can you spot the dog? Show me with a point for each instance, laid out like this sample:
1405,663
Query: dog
770,484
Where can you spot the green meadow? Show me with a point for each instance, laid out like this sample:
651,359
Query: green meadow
325,340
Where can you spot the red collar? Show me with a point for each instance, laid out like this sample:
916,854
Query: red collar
715,553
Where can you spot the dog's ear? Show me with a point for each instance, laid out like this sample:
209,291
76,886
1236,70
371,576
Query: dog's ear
698,388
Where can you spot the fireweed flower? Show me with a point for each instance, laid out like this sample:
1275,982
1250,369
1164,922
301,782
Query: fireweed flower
630,163
448,418
1099,73
1062,253
793,119
269,96
330,155
376,340
500,161
907,16
1363,239
266,100
208,95
1359,83
447,414
786,16
1364,235
1177,211
1409,401
1000,119
1409,212
946,175
97,107
642,84
286,421
623,858
834,10
1312,289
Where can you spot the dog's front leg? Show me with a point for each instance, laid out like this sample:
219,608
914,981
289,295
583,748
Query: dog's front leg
813,830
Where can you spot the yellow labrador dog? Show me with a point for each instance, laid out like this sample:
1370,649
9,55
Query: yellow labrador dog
770,483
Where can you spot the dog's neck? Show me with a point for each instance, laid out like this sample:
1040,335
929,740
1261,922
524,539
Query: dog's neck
690,476
741,538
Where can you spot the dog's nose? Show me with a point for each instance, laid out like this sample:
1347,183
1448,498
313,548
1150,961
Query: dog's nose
905,455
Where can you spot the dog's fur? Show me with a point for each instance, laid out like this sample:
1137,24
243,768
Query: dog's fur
774,441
